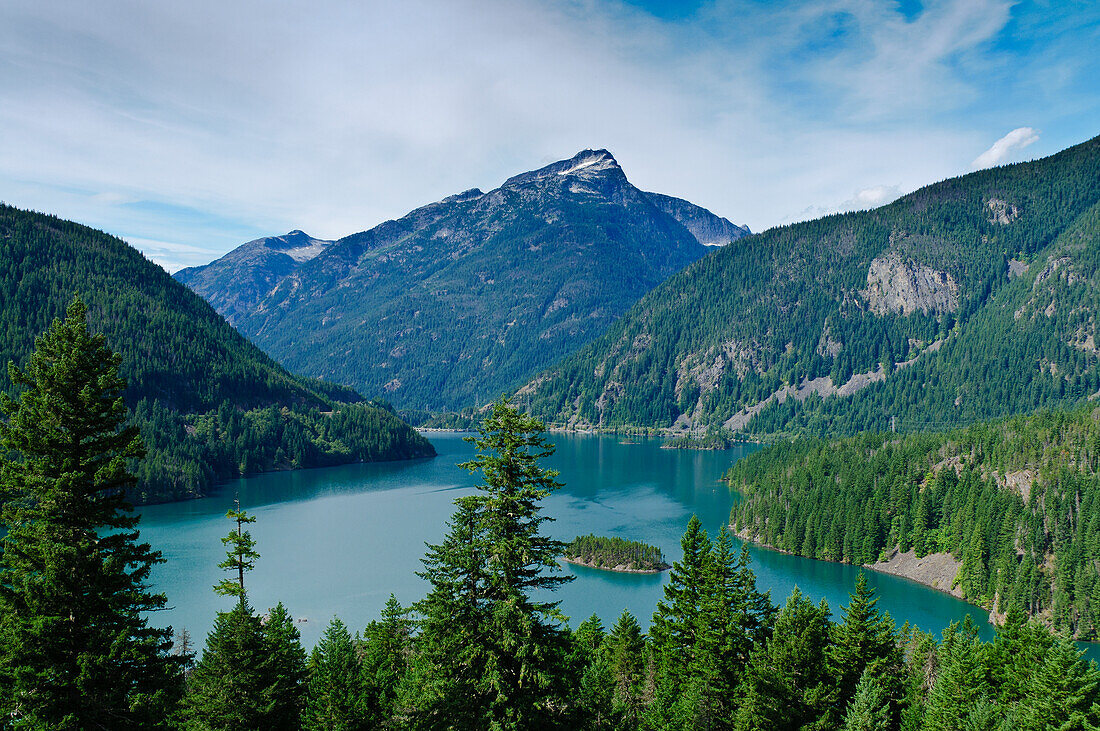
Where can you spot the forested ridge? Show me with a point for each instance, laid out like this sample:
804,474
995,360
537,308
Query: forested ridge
210,404
972,298
1016,501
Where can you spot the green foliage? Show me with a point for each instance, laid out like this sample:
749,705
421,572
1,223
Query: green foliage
335,684
492,653
609,552
386,648
960,493
870,708
240,557
76,648
703,633
286,670
789,306
209,404
788,685
229,689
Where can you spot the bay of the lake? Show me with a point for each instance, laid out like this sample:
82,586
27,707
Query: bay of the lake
338,541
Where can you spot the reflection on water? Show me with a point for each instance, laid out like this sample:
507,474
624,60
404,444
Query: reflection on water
338,541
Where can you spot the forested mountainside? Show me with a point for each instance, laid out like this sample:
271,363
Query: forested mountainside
210,404
237,281
465,298
972,298
1015,502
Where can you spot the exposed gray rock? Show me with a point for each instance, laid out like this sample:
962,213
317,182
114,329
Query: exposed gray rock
896,285
1002,212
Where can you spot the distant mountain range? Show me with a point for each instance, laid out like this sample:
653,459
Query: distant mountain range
466,298
972,298
210,404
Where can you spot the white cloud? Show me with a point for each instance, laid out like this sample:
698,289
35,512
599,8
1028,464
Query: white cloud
210,123
172,256
1006,147
873,197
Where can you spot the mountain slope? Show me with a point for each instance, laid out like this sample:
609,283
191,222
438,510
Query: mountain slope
707,228
1009,508
211,405
839,324
465,298
236,282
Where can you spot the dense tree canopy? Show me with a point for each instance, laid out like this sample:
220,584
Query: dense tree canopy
209,404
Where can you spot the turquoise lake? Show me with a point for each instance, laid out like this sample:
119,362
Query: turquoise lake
338,541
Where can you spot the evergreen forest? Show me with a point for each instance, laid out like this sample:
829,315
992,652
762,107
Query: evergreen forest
209,404
486,648
1013,502
611,552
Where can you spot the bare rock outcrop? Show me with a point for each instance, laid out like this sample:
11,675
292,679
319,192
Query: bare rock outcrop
897,285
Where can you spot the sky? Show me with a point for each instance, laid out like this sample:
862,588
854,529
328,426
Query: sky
190,128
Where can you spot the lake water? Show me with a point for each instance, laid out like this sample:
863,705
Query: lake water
338,541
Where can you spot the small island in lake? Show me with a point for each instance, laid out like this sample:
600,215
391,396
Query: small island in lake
615,554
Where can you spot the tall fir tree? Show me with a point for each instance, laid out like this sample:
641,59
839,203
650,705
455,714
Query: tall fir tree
865,639
230,687
677,624
241,556
252,668
494,652
336,698
962,683
627,655
870,707
286,668
788,684
386,649
76,647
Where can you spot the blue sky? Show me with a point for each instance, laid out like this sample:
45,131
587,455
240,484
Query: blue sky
188,128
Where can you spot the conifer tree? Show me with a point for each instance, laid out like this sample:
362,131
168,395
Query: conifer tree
493,653
870,707
1064,692
241,556
677,623
386,647
627,656
865,639
788,684
251,672
1017,653
76,649
335,701
588,661
286,668
229,689
962,683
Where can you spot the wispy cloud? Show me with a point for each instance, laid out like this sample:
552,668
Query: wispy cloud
210,123
1006,148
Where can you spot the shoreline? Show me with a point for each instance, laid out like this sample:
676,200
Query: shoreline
902,565
615,569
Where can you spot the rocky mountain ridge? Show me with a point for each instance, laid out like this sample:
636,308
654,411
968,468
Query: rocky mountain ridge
466,297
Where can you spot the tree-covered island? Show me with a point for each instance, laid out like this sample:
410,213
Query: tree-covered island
615,554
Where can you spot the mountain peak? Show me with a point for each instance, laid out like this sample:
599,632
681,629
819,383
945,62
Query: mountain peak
585,164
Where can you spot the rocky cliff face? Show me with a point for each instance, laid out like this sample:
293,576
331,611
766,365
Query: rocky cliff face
707,228
904,286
